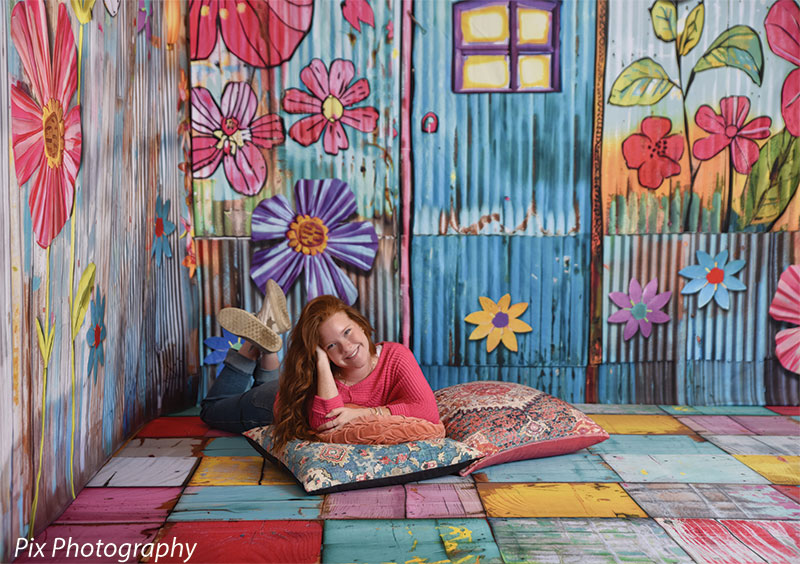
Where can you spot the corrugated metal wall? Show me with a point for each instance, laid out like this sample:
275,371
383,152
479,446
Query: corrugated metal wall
130,154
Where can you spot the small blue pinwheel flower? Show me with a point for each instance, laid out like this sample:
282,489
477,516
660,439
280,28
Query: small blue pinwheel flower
219,348
713,278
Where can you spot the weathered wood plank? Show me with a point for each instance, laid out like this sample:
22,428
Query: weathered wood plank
716,410
655,444
174,427
557,500
580,541
152,472
714,425
372,503
713,501
792,492
578,467
229,446
777,469
641,424
442,501
696,468
468,541
117,535
774,425
121,505
169,447
618,409
246,503
274,475
776,542
271,542
228,471
785,409
756,444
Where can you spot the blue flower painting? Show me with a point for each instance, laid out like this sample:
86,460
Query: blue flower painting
713,278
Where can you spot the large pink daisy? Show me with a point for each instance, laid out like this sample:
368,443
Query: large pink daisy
785,306
46,137
329,103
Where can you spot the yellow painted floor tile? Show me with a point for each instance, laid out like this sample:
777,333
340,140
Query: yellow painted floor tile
641,424
557,500
228,471
274,475
783,470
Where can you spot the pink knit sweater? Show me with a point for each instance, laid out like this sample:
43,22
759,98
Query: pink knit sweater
396,382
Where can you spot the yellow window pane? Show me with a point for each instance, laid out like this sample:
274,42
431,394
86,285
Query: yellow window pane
534,26
484,26
534,71
485,71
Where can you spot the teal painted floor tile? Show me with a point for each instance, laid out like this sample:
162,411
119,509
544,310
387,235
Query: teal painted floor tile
618,409
680,409
584,541
229,446
654,444
409,540
246,503
716,410
578,467
682,468
193,411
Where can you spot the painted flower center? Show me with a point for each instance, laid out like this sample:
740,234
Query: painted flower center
53,131
159,227
230,126
659,148
731,131
97,333
230,136
715,276
500,320
308,235
639,311
332,108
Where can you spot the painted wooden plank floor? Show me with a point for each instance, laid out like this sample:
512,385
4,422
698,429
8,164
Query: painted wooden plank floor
580,467
121,505
713,501
641,424
686,468
792,492
173,427
655,444
298,542
616,409
717,410
775,425
246,503
144,472
585,541
229,446
443,501
180,447
784,470
228,471
785,409
388,502
118,537
714,425
736,542
755,444
557,500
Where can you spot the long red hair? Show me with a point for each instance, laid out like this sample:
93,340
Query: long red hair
298,383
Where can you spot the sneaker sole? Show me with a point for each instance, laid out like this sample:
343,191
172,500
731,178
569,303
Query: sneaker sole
244,324
277,300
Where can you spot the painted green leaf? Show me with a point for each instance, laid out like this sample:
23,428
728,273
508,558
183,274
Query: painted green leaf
45,342
665,20
692,31
642,83
81,302
773,181
738,47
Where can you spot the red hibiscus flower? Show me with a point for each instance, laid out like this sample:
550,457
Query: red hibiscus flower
329,103
653,153
728,128
783,35
262,34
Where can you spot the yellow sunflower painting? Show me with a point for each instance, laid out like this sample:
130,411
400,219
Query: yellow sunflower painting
498,322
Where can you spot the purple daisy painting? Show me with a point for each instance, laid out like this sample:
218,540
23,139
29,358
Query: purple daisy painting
311,237
640,308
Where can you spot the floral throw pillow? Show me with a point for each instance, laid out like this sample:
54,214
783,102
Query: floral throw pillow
330,467
507,421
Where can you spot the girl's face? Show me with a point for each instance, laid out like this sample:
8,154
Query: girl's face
344,341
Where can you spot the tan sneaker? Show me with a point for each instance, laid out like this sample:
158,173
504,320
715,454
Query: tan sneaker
263,328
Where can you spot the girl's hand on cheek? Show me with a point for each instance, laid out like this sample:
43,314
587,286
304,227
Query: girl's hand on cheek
342,415
322,357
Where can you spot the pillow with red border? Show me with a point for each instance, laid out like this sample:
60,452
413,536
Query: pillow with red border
507,421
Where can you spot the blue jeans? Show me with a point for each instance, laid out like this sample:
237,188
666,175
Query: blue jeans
242,395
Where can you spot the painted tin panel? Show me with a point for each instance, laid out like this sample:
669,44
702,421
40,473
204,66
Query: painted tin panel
450,273
501,163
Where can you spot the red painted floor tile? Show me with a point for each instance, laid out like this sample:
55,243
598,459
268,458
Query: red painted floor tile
219,433
174,427
115,543
792,492
246,541
785,409
121,505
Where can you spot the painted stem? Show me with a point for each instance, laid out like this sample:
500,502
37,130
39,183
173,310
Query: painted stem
44,397
728,214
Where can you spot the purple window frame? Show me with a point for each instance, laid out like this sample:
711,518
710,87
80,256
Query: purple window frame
512,50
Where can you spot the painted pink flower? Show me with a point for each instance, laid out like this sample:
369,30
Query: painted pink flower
262,34
232,136
640,308
783,35
329,105
653,153
728,128
357,12
785,306
45,133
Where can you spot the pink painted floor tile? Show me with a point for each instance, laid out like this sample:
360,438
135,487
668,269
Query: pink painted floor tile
388,502
769,425
714,425
174,427
792,492
116,543
443,501
121,505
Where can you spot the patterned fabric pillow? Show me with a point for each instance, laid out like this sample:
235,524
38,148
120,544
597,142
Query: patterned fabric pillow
328,467
507,421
